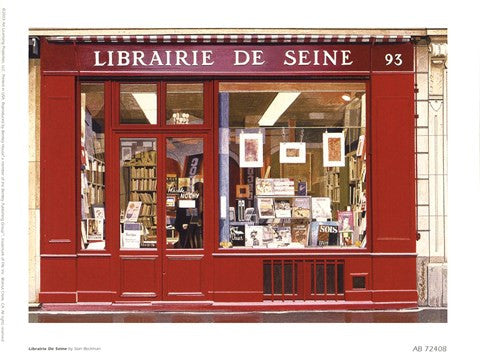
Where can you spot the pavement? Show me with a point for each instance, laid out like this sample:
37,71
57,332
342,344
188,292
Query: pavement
420,315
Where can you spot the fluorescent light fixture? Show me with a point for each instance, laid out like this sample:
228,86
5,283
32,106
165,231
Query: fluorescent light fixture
278,106
316,115
346,97
148,104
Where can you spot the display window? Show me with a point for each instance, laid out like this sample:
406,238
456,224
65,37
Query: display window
292,165
92,166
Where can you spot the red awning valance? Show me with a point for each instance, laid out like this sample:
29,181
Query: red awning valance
232,38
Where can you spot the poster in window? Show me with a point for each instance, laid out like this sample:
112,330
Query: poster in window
292,153
251,150
133,211
193,165
333,149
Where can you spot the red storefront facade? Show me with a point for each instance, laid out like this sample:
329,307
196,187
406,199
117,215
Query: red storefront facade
381,274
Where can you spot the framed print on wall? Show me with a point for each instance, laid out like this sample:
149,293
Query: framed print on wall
292,152
251,150
333,149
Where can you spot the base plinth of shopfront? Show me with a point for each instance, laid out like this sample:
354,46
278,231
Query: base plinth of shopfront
205,306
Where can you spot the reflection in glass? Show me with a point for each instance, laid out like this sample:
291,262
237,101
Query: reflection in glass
92,174
138,104
184,103
184,189
138,193
292,165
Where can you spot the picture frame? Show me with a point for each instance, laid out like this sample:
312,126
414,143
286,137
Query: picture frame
249,212
292,152
333,149
251,150
242,191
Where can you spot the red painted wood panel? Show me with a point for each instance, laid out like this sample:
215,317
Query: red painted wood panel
393,163
238,279
57,162
139,277
184,277
58,279
394,278
94,273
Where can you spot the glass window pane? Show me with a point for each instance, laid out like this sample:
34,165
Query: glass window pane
292,165
138,193
184,189
138,104
92,174
184,103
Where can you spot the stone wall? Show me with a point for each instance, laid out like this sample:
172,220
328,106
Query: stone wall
431,153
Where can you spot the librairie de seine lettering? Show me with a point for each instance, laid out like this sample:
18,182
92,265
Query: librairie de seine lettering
206,58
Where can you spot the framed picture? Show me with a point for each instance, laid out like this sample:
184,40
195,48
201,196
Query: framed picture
292,153
242,191
333,149
251,150
126,153
249,212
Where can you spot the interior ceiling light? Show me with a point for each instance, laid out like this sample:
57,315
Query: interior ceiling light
148,104
278,106
346,97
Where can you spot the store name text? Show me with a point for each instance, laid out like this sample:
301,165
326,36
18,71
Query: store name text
206,58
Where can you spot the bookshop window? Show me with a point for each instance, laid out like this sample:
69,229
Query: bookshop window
138,104
292,165
184,190
138,193
184,103
92,168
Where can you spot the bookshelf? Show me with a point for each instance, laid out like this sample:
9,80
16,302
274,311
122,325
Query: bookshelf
143,188
93,195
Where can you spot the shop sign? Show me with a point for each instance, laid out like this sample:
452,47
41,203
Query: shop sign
244,59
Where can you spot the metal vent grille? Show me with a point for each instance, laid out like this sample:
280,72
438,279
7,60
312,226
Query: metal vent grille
310,279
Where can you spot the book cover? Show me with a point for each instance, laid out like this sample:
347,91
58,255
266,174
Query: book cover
283,208
268,235
283,236
313,236
301,208
321,208
253,236
264,186
328,233
345,220
265,208
237,235
345,227
133,211
300,234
